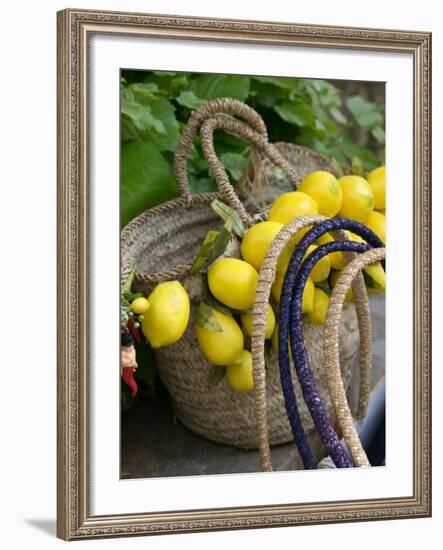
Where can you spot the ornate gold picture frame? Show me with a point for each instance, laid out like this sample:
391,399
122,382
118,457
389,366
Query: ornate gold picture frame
75,30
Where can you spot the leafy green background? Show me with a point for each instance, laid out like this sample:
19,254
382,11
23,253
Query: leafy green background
156,105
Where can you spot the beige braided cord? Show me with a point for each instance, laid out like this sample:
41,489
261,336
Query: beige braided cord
198,116
263,291
331,352
365,330
243,131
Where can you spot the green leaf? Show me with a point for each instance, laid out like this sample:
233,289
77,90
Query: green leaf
367,114
143,91
141,116
148,118
169,83
202,254
295,113
202,185
286,83
205,318
164,111
188,99
131,296
324,285
211,250
235,163
217,375
338,116
212,86
128,283
379,134
351,149
229,215
146,179
370,281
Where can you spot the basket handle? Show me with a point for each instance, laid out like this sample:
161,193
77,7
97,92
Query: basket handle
331,351
239,129
263,291
197,118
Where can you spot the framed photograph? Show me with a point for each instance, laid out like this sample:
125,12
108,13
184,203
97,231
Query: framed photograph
235,350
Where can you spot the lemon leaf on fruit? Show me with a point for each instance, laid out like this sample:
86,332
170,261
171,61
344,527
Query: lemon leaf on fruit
213,246
324,285
200,259
370,281
216,376
206,319
229,215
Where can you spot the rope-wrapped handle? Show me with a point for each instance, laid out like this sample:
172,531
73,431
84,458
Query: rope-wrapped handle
217,106
331,351
239,129
266,278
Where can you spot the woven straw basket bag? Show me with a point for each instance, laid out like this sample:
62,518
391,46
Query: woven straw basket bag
163,242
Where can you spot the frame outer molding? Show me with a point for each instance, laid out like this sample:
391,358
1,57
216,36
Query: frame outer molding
73,517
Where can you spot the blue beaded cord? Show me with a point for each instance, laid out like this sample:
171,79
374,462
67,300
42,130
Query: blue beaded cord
342,459
310,393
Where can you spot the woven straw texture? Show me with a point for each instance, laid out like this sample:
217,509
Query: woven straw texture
163,242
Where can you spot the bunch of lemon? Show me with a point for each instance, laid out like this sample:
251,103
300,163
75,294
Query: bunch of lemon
224,322
232,282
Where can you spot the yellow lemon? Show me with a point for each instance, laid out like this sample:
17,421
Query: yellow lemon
221,348
321,269
358,198
257,240
333,279
167,317
308,297
233,282
336,258
285,256
246,321
239,375
377,222
323,187
274,342
139,305
377,180
355,237
321,301
375,278
290,205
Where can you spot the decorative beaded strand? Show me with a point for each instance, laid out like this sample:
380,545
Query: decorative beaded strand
285,301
